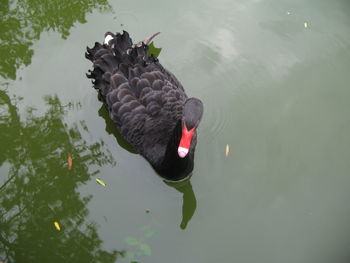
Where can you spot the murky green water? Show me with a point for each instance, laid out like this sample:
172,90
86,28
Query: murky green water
275,89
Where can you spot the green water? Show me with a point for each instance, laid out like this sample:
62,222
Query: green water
275,89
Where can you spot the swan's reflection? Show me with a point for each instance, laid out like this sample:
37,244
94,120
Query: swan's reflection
189,204
112,129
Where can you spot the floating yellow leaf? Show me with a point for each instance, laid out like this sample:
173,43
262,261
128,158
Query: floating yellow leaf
100,182
57,225
70,161
227,150
306,25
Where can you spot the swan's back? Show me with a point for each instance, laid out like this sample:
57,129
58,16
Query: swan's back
144,100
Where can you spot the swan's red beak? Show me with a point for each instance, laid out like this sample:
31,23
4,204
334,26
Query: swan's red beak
185,142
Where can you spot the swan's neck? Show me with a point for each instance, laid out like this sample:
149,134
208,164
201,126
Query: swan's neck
174,167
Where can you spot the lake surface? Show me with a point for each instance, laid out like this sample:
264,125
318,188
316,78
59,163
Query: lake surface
274,78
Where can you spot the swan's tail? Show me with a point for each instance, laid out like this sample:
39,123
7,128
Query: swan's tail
117,55
107,59
103,66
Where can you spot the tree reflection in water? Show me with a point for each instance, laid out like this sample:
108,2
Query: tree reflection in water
40,189
22,22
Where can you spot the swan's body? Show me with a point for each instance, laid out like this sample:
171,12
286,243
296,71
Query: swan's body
147,103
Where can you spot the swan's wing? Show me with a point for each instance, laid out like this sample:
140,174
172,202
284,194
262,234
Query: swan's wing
145,109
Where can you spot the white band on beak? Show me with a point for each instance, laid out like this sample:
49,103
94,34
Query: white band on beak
182,152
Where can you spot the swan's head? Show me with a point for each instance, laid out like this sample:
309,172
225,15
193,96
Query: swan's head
191,117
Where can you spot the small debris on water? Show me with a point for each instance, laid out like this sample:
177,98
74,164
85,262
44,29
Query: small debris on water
227,150
99,181
152,50
306,25
57,225
70,161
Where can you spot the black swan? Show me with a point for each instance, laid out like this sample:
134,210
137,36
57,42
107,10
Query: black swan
147,103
